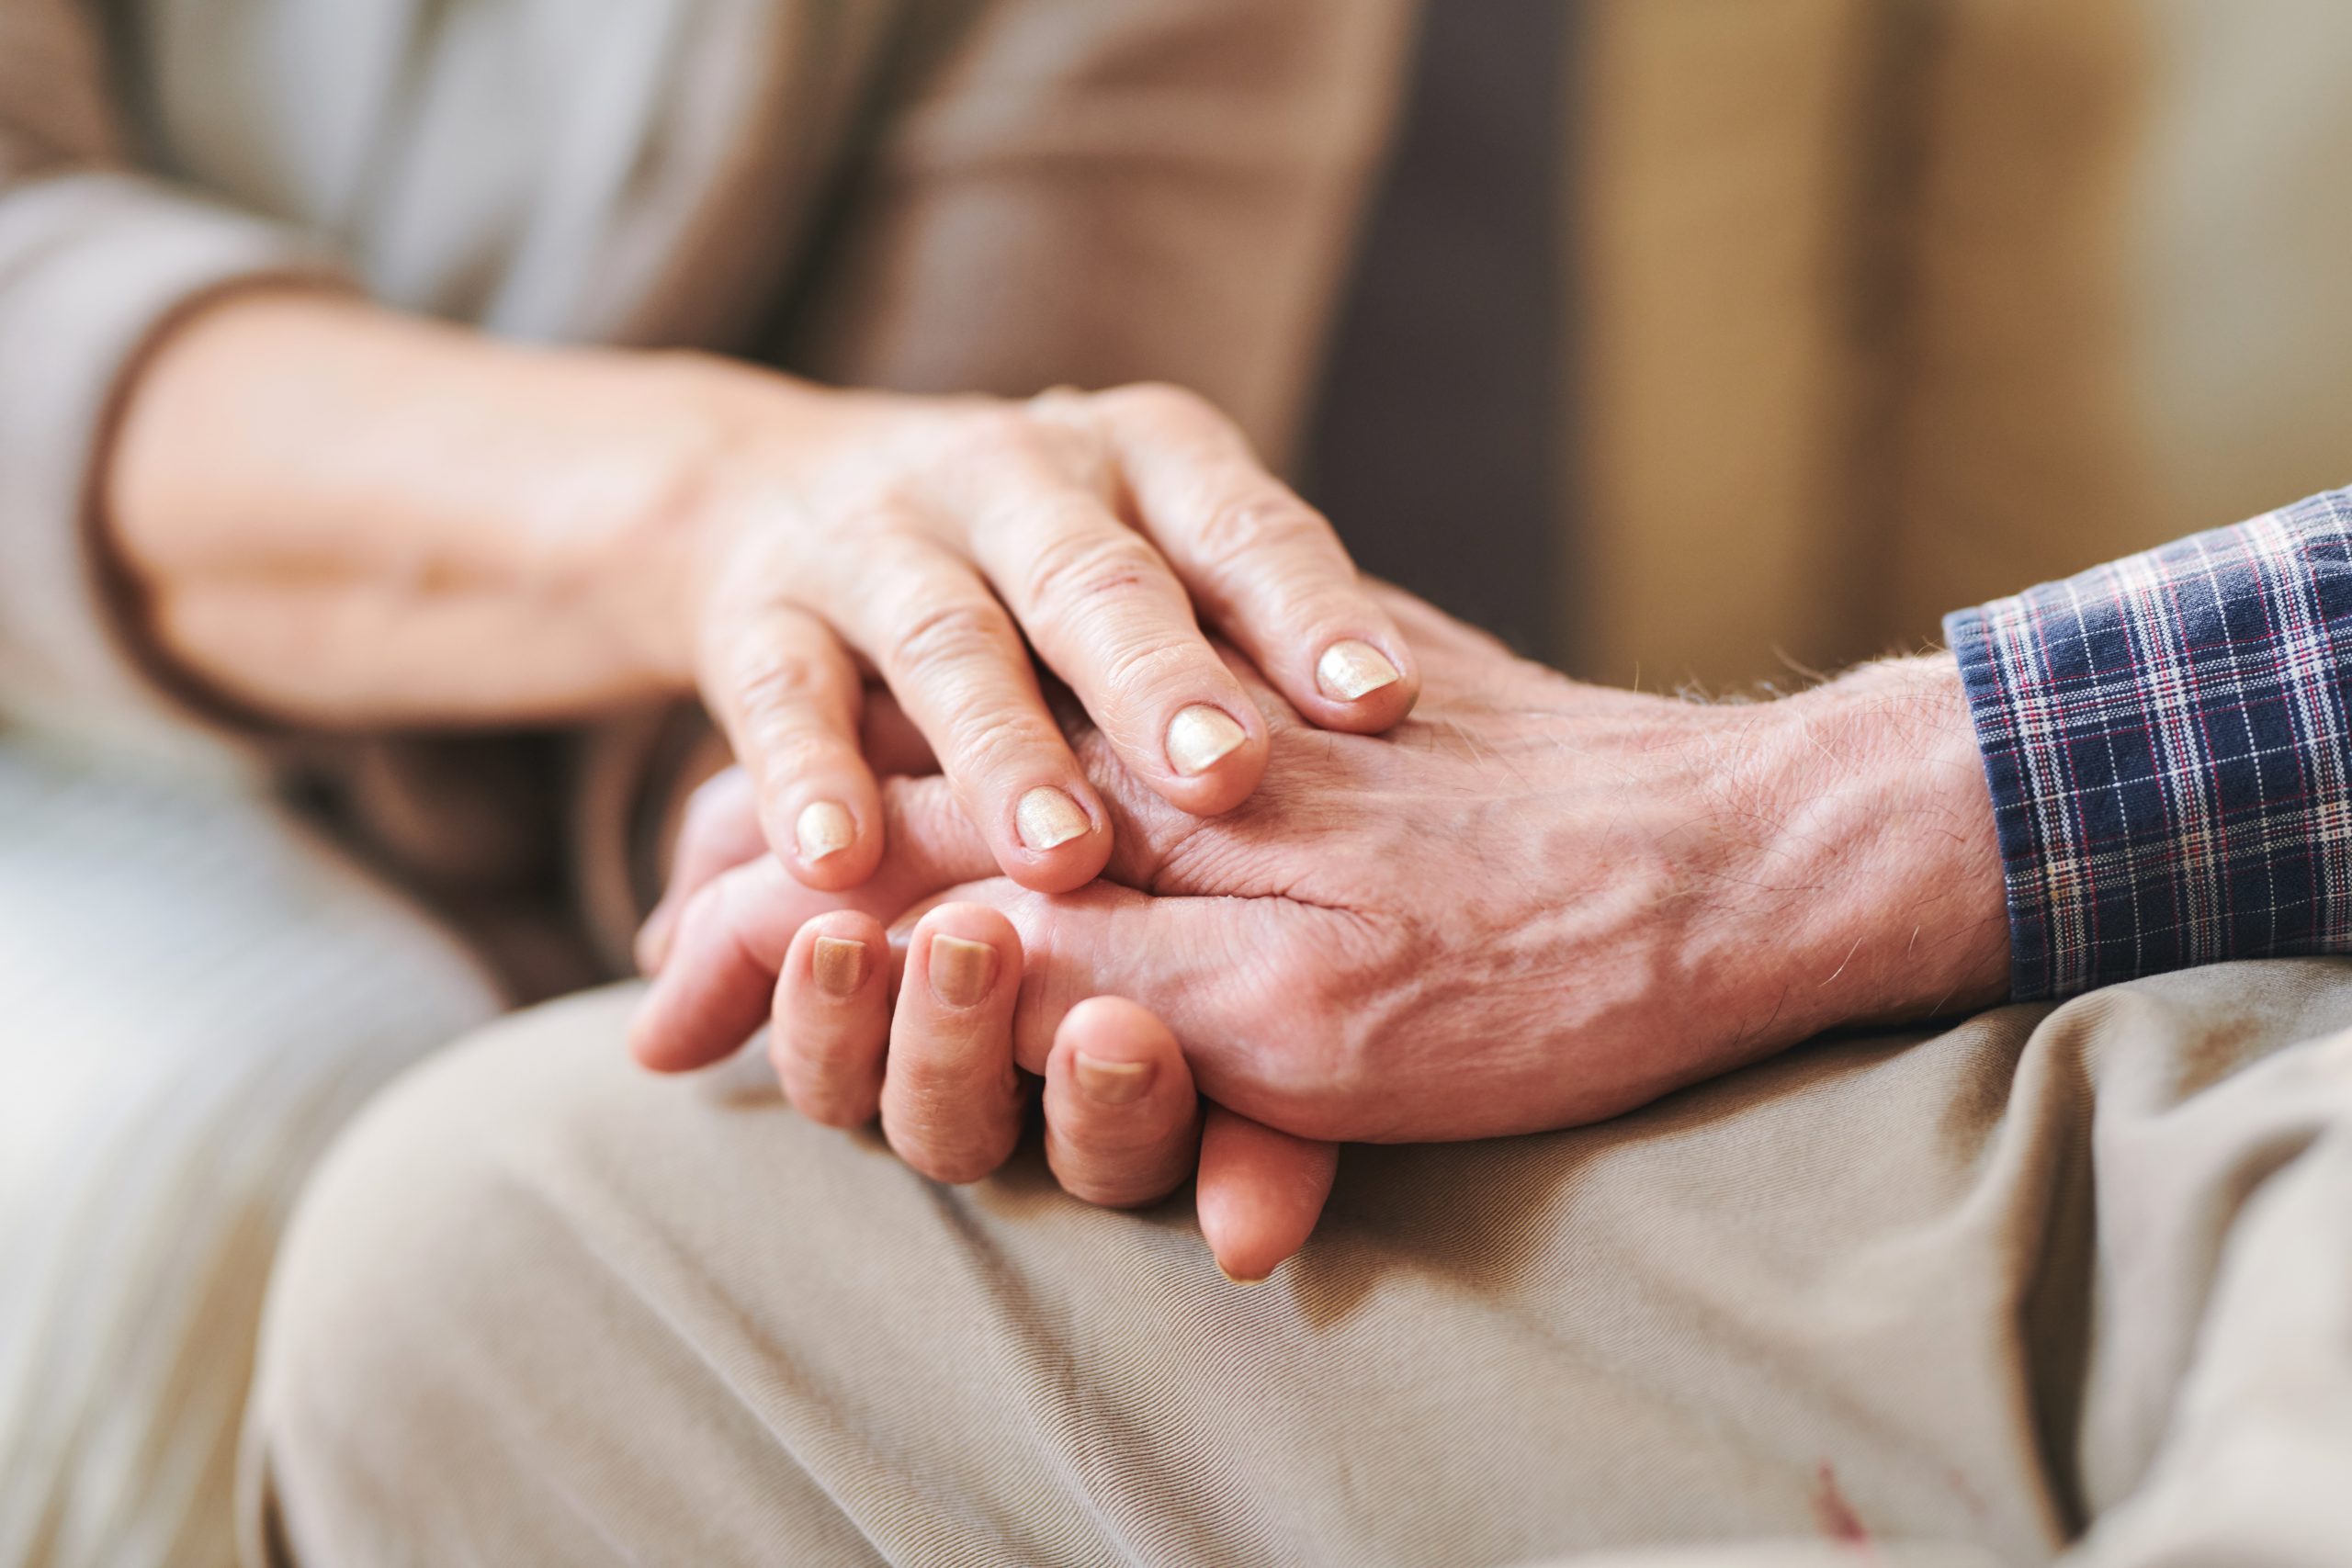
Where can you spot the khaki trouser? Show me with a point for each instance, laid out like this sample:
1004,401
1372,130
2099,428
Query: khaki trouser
1952,1296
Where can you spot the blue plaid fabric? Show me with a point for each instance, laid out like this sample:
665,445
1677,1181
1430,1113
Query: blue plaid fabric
2169,751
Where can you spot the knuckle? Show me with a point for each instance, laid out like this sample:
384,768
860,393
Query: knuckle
986,433
945,1145
789,1062
957,631
1078,570
867,531
977,715
1162,404
1310,1057
1113,1148
875,511
1114,1190
1263,522
819,1059
952,1168
787,743
988,745
1134,675
773,679
823,1110
828,1104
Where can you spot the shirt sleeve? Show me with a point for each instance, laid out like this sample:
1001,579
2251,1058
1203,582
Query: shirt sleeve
96,260
2167,743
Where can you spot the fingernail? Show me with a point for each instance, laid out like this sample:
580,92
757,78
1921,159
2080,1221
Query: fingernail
1350,670
961,971
1113,1083
1047,816
839,965
1199,735
1235,1279
824,829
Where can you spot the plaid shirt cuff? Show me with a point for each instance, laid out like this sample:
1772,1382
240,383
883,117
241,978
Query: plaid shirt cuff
2167,742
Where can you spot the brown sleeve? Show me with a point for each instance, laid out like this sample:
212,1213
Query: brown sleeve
94,259
1068,192
1090,192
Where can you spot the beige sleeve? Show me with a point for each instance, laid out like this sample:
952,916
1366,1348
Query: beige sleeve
1089,192
94,259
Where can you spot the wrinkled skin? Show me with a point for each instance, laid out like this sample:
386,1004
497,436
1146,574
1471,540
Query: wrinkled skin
1534,904
942,542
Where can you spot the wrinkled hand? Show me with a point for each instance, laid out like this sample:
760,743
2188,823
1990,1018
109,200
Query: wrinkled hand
924,538
1535,904
1124,1124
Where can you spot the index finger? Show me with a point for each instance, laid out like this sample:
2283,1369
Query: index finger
1266,568
1107,614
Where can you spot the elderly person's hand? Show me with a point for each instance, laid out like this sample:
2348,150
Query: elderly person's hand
1124,1122
345,517
1537,903
925,537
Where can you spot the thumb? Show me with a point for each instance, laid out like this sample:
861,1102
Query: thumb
726,943
1259,1193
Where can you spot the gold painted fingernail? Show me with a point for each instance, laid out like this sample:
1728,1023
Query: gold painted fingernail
839,965
1047,816
1199,735
1350,670
961,971
824,829
1113,1083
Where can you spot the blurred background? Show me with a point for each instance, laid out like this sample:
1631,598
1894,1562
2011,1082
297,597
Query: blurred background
1705,340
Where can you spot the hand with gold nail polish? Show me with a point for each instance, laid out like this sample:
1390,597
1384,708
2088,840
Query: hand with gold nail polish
844,536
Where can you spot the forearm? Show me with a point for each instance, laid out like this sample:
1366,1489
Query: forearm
2137,769
1876,894
335,516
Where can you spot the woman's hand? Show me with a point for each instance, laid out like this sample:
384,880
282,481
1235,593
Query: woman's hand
923,538
335,514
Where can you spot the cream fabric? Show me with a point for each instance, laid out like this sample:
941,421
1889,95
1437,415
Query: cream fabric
197,990
1961,1294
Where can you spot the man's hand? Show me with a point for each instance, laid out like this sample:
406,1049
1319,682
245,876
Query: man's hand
1124,1123
1535,904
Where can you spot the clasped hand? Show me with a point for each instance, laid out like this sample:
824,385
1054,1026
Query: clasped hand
1534,904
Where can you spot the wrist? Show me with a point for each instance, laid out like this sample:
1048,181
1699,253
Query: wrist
1885,815
448,528
681,421
745,452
